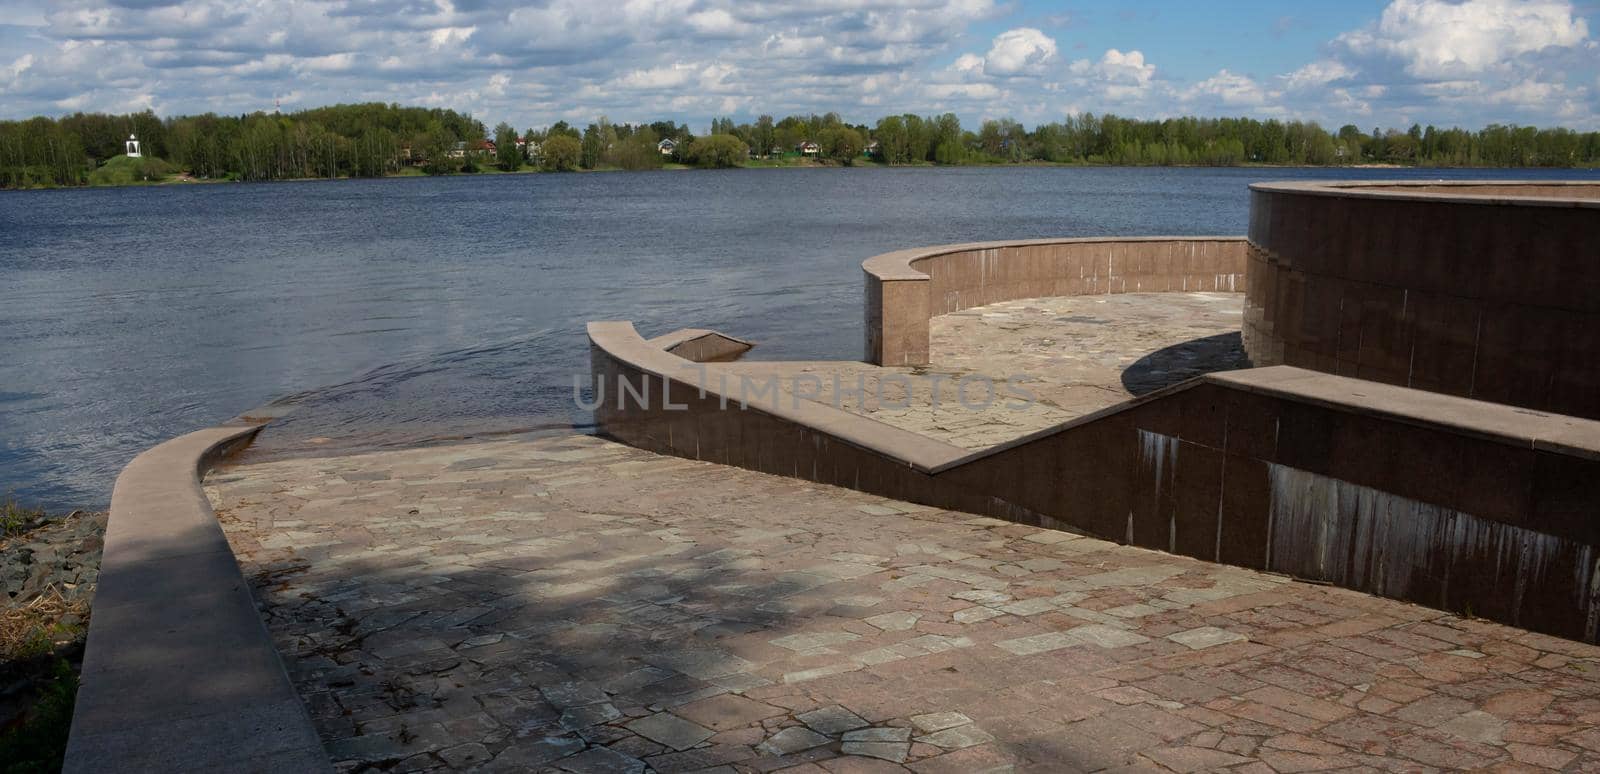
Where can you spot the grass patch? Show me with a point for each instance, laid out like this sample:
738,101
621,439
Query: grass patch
33,639
37,628
38,742
41,639
16,518
121,170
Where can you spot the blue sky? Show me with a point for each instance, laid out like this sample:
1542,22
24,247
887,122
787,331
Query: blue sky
532,62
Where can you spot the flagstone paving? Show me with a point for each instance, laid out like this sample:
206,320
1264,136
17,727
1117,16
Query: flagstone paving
573,605
1042,361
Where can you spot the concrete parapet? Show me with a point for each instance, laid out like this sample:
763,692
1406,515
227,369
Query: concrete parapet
1448,502
656,400
907,287
180,673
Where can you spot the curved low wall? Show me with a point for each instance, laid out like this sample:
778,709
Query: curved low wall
1488,290
180,673
904,289
1448,502
650,398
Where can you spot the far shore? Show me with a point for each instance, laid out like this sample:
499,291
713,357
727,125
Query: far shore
786,163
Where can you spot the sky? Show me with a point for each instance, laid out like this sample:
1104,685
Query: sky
1385,63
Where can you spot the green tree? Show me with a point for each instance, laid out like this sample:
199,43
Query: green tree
947,144
561,153
506,152
950,152
894,142
598,138
765,136
841,144
719,151
370,139
562,127
638,152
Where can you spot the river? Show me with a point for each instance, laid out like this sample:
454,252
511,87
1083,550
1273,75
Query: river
376,312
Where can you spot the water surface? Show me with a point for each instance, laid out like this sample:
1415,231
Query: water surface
389,311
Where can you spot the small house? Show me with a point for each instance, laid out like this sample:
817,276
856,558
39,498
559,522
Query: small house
808,148
667,147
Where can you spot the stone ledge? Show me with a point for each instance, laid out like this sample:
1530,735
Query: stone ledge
622,344
900,264
1584,194
1498,422
180,673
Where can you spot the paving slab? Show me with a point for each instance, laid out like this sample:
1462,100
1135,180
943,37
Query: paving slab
832,720
1068,356
670,730
792,740
543,612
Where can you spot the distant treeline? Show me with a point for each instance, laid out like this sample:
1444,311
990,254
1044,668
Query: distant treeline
338,141
370,140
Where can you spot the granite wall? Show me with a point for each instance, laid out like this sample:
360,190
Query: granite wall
1370,487
906,288
1480,290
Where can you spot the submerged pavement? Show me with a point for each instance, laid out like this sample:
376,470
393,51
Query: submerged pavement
571,604
1049,360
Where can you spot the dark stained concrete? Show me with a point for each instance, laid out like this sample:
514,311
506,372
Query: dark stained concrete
1465,289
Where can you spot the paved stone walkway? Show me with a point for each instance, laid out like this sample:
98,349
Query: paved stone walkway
1075,355
1107,347
569,604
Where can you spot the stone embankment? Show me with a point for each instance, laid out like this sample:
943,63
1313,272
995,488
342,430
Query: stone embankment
58,554
48,572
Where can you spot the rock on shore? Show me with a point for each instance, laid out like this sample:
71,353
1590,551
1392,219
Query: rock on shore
63,554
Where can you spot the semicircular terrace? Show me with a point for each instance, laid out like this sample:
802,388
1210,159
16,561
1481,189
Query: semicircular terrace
907,288
1375,487
1479,289
1439,500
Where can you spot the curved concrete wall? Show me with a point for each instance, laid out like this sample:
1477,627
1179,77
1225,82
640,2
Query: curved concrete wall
655,400
1444,501
904,289
1483,290
180,673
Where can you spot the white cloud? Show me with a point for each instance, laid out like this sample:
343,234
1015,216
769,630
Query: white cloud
1463,62
1118,80
1438,39
1318,73
536,61
1126,68
1022,51
18,65
977,91
445,37
672,76
1231,89
1528,92
716,22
